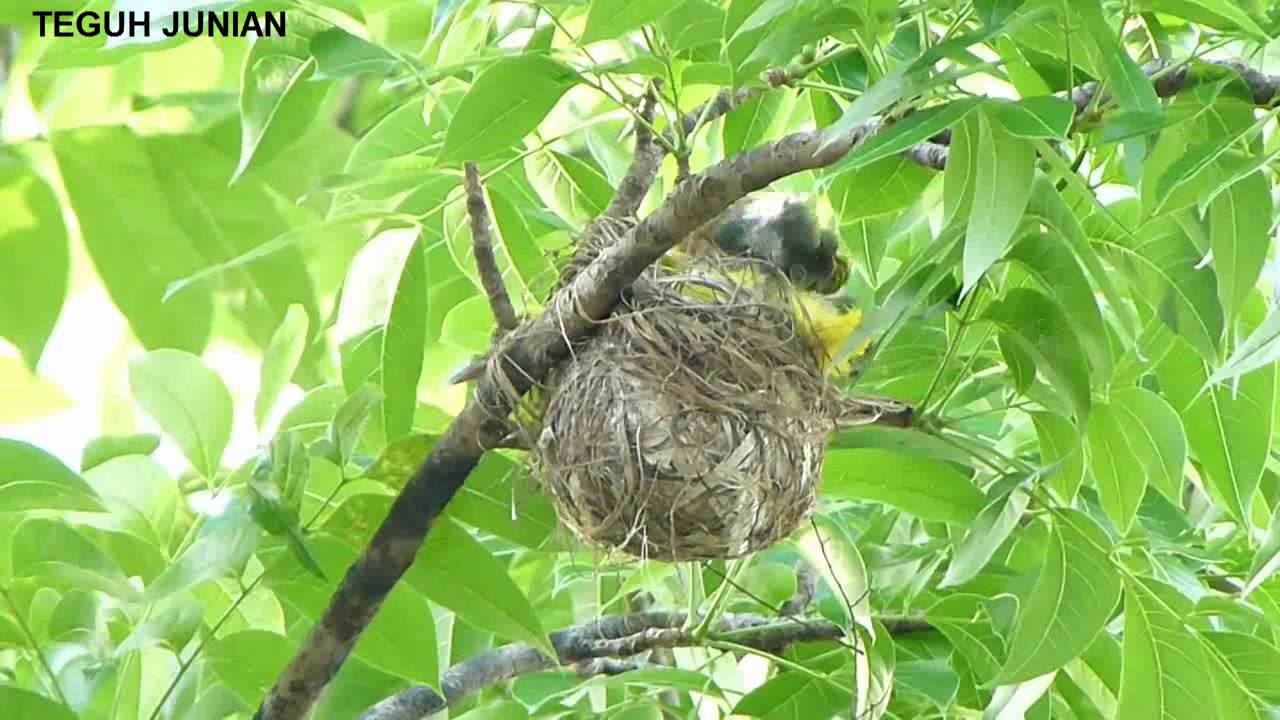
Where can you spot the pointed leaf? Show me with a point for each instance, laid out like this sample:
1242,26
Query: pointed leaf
926,488
1228,428
1075,593
491,118
37,260
280,360
1002,187
1240,236
1041,330
188,401
1169,671
32,479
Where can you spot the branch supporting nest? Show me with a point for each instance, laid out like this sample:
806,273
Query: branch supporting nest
592,649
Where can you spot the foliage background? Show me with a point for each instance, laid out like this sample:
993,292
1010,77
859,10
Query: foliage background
236,276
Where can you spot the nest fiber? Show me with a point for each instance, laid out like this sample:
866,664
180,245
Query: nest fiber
693,425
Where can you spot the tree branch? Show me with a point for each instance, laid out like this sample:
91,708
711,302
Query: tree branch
586,645
504,314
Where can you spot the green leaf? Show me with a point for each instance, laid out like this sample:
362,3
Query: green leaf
885,186
1222,14
1260,349
966,621
1051,260
188,401
32,479
1267,560
914,130
279,98
574,187
249,661
223,546
753,122
1132,89
1022,367
1039,328
793,695
491,118
1075,593
1062,449
226,221
609,19
1240,235
1228,428
54,551
1253,659
117,235
280,360
1002,188
487,598
276,487
987,533
171,627
904,441
1045,117
960,176
1135,439
1168,670
108,447
348,424
1048,206
1127,125
340,54
928,489
403,343
143,499
21,703
37,260
995,12
828,548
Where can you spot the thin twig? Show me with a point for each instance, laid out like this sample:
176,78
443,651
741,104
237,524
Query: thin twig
504,314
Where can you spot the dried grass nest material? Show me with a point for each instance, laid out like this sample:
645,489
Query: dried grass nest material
693,425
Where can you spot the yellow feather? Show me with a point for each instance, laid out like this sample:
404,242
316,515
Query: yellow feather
832,326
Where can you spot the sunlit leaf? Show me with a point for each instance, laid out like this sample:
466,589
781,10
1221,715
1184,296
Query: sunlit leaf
1228,428
491,118
32,479
37,261
188,401
280,360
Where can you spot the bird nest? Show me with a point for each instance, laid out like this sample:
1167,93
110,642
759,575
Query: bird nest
693,425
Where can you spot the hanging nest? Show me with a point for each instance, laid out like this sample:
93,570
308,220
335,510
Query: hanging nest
693,425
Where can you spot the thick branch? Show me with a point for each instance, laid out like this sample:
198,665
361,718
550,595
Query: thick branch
504,314
620,636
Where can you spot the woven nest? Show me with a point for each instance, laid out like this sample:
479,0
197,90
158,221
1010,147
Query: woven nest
693,425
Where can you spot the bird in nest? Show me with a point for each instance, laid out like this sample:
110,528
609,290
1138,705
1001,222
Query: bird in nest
781,233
